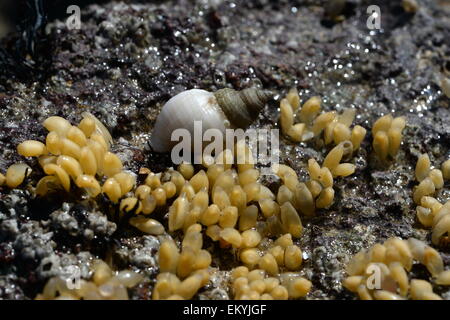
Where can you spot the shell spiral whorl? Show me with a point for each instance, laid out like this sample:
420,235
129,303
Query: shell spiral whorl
242,107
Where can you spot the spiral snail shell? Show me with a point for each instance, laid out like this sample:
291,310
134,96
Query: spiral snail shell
223,109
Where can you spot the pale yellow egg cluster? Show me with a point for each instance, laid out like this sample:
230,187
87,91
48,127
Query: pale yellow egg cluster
270,272
104,285
391,261
219,202
257,285
183,273
430,179
150,195
78,154
306,122
15,175
387,136
431,213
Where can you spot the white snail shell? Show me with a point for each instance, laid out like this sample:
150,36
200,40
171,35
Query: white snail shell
225,108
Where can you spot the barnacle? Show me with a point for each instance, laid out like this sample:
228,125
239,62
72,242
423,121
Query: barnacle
381,272
335,127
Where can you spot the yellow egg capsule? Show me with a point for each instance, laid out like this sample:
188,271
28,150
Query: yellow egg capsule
98,152
31,148
232,236
112,164
53,143
220,198
170,189
292,257
299,288
46,159
199,181
290,220
54,169
178,212
446,170
293,98
239,272
382,124
160,196
437,178
269,264
357,136
213,231
250,256
269,207
88,161
150,226
279,293
238,197
189,287
77,136
16,174
112,189
87,126
168,256
57,124
70,165
142,191
154,180
100,139
186,169
250,238
422,167
47,184
286,116
381,144
148,204
126,181
248,218
211,215
70,148
90,184
310,109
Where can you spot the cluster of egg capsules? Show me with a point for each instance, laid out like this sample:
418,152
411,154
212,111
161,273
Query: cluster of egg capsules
230,183
182,273
386,131
81,154
267,282
387,136
381,272
241,213
430,212
73,153
104,285
335,127
237,211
